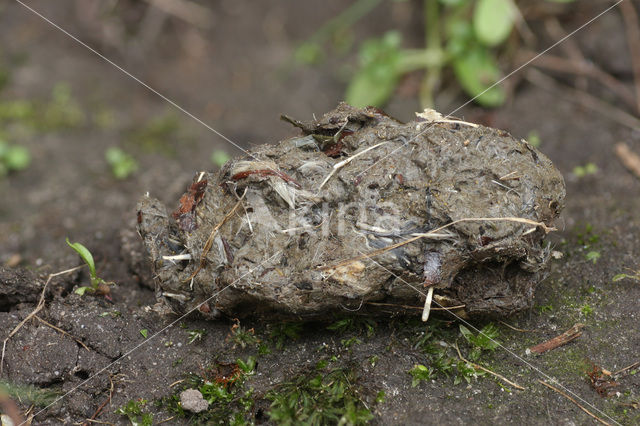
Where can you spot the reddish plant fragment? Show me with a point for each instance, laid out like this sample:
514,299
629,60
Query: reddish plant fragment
334,150
573,333
266,172
185,214
484,240
602,382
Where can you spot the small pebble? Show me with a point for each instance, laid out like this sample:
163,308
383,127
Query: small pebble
192,400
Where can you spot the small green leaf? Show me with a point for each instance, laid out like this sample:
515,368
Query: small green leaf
619,277
466,333
219,157
477,73
82,290
493,21
86,256
122,164
593,256
17,157
420,373
144,332
379,74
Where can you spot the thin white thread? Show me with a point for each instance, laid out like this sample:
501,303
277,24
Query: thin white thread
518,357
154,91
144,342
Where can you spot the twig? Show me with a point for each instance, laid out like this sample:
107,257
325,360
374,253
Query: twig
101,407
582,98
434,233
583,68
39,306
479,367
555,30
188,11
574,401
634,365
209,243
521,330
62,331
344,162
395,305
569,335
629,159
630,17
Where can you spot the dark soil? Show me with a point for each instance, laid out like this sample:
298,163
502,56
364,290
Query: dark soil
237,76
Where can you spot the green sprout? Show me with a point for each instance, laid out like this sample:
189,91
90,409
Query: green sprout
592,256
484,340
196,334
586,170
122,164
134,410
98,285
420,373
586,310
13,158
219,157
144,332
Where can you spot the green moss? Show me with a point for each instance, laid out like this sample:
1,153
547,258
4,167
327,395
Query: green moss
321,396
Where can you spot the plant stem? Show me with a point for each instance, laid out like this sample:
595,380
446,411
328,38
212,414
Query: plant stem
433,47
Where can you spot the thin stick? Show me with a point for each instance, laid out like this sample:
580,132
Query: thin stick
101,407
629,159
479,367
188,11
566,337
583,98
209,243
58,329
630,17
443,308
521,330
343,163
39,306
434,233
635,364
574,401
583,68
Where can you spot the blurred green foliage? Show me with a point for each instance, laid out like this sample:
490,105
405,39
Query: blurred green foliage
465,36
13,157
122,164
